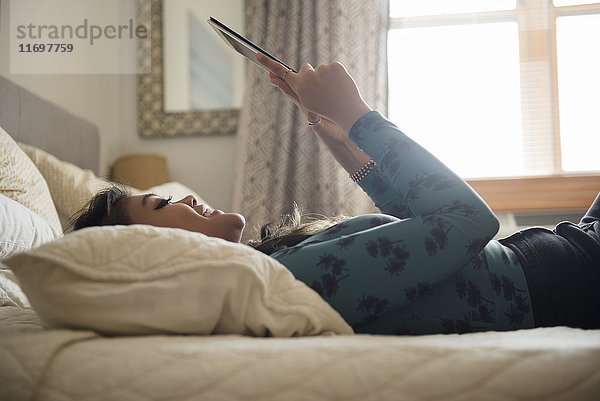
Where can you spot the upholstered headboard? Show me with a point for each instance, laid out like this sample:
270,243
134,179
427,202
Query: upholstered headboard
30,119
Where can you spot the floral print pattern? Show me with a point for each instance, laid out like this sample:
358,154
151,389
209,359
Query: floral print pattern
428,263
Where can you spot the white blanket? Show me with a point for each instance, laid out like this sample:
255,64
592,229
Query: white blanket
541,364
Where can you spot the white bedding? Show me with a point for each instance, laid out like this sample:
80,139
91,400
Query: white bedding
541,364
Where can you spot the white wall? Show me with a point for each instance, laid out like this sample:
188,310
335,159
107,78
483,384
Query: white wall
109,101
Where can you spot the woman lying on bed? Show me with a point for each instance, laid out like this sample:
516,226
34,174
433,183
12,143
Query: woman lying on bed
428,263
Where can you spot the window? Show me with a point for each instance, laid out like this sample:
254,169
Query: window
506,92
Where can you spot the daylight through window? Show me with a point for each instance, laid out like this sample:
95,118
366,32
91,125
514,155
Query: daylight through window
498,88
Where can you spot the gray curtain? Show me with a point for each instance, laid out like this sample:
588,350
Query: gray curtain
279,159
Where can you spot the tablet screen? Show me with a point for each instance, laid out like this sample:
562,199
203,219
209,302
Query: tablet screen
242,45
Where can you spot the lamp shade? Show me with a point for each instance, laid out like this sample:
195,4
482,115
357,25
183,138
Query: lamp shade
141,170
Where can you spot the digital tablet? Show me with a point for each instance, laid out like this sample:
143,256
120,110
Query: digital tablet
242,45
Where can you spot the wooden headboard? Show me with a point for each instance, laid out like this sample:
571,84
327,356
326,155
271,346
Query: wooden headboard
30,119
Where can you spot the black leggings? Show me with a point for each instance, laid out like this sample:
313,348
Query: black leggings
562,268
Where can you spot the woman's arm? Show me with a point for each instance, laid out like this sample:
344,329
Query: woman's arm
449,224
344,150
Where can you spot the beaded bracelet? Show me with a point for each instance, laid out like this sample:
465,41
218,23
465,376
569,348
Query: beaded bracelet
363,171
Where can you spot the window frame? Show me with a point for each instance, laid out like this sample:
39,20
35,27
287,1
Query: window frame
537,43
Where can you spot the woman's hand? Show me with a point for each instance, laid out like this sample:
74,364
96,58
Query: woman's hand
313,100
326,130
328,91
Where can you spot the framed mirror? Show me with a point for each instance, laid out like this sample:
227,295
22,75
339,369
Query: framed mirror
154,119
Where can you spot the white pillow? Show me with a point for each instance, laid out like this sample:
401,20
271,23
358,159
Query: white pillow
21,228
72,187
21,181
138,279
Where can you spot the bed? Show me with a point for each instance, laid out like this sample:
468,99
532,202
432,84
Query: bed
93,317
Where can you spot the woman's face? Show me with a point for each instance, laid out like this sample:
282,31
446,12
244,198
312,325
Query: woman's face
185,213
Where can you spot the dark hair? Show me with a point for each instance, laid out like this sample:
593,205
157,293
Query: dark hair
292,229
106,208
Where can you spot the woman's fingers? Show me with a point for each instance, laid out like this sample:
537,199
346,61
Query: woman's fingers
285,88
294,79
281,71
281,84
305,67
278,75
313,118
328,90
272,65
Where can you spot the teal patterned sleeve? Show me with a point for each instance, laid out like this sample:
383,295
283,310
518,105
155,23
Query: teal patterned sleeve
417,176
381,191
433,224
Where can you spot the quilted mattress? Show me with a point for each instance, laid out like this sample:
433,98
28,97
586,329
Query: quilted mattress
541,364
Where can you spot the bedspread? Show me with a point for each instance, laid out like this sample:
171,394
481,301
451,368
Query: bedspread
541,364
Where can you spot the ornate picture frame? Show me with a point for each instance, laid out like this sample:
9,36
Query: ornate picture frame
152,120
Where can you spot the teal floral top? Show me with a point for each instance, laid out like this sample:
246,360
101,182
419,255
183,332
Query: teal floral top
428,263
